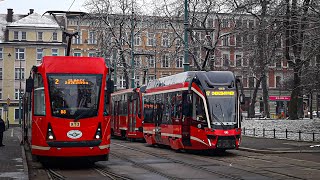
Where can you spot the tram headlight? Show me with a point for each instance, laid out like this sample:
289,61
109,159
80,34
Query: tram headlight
98,132
50,134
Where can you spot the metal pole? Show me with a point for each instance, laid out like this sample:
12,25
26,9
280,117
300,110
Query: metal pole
132,49
155,63
186,45
19,95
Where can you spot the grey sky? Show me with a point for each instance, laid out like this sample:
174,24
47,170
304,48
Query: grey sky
40,6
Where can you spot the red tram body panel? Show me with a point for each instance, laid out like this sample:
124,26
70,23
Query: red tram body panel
65,108
193,111
126,113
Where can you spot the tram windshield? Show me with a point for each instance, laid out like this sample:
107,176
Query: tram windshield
74,96
222,107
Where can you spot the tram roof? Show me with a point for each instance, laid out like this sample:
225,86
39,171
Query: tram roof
71,64
216,77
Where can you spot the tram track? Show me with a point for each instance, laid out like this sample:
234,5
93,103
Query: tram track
174,161
111,175
267,170
54,175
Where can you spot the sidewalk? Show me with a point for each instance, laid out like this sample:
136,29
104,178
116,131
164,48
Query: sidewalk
270,145
13,163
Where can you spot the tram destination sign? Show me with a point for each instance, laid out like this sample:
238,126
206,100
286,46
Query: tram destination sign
220,93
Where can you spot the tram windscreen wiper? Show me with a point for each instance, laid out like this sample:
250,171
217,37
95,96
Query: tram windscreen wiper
223,126
92,111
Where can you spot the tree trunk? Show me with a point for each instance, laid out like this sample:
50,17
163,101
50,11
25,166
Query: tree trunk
253,99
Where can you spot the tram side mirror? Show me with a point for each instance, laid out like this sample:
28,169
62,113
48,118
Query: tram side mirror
29,85
110,86
242,97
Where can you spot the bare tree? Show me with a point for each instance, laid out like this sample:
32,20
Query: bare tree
263,43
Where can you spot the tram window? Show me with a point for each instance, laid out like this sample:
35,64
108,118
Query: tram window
199,111
39,102
178,105
159,108
186,107
148,109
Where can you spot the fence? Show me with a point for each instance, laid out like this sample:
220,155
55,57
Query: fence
280,134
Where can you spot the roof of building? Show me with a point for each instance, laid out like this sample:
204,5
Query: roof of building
36,20
4,23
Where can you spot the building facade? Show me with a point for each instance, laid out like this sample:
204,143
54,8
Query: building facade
25,40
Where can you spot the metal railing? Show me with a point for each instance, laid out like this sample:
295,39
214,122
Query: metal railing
282,134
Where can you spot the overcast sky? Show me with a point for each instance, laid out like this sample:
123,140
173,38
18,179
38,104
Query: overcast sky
40,6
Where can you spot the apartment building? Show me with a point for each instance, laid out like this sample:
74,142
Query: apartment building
159,52
24,40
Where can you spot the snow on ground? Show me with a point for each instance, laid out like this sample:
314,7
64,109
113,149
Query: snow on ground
306,126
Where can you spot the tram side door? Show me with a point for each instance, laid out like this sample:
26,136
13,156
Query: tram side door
132,115
158,118
116,117
186,118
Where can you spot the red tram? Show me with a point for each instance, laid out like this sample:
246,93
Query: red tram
127,113
65,108
194,110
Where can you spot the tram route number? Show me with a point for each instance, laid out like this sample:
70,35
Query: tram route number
74,124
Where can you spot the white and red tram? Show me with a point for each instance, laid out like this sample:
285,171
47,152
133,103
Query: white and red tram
194,110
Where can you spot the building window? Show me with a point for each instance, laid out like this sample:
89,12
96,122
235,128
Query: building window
226,60
225,23
23,35
137,39
225,40
19,53
16,114
238,41
16,35
251,24
122,82
0,93
78,39
165,40
91,54
1,53
165,61
238,60
251,82
179,62
54,52
151,62
137,61
77,54
92,37
150,77
17,73
39,54
40,36
1,74
16,94
151,39
137,80
278,82
54,36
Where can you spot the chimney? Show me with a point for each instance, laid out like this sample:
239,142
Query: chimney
10,15
31,11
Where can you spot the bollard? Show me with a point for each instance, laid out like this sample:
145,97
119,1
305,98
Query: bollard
263,132
254,131
286,133
274,133
299,135
313,136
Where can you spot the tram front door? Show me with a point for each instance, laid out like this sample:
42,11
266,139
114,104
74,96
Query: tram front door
185,122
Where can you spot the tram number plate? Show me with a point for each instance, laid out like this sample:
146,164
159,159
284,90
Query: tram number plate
74,124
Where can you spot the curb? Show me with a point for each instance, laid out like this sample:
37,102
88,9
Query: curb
25,164
277,152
